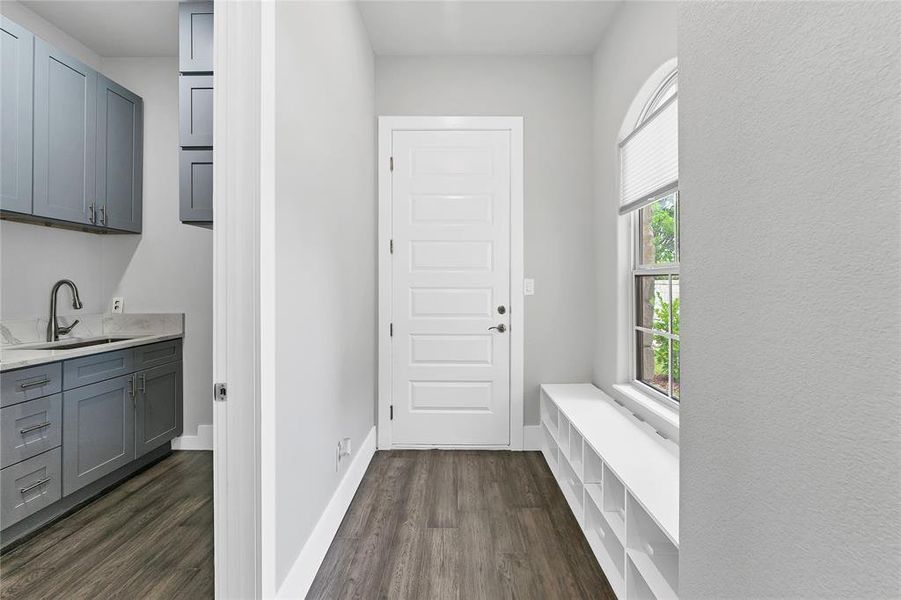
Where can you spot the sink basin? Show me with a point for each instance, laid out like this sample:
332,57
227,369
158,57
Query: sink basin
76,344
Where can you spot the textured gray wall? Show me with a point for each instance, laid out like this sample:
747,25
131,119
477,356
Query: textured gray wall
790,171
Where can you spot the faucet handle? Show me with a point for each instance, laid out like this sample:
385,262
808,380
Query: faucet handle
68,328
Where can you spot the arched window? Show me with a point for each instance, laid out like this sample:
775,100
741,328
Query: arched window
649,197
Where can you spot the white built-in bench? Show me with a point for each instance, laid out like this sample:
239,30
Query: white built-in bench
621,480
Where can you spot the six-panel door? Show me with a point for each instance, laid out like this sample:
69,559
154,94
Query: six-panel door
16,55
120,130
98,431
158,415
65,110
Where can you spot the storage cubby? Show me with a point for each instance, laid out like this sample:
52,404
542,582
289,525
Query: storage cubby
575,450
607,549
563,433
614,508
572,488
652,553
593,466
549,447
548,412
636,587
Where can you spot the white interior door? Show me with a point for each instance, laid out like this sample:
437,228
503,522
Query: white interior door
450,288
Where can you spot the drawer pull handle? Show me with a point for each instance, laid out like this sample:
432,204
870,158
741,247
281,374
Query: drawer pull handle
28,488
25,430
32,384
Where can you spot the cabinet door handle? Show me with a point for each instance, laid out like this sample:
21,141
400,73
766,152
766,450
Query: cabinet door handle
28,488
31,384
131,386
25,430
93,216
143,383
103,215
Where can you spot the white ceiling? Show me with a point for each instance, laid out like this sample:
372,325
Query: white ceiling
509,27
116,28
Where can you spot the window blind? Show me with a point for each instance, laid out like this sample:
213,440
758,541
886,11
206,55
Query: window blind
649,158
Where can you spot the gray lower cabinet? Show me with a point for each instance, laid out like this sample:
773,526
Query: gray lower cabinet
97,367
196,185
98,430
65,117
120,143
158,414
29,486
17,56
30,383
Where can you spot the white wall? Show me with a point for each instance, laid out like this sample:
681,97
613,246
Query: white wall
166,269
325,271
640,38
553,95
790,167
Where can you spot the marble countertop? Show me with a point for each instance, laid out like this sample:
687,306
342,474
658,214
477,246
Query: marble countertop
128,330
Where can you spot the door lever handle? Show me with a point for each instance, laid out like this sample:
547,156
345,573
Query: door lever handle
500,328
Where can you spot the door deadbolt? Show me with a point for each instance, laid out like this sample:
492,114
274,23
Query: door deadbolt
500,328
501,309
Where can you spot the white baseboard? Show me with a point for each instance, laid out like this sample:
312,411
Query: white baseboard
303,571
531,437
202,441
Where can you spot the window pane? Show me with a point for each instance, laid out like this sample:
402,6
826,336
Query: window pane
653,361
653,293
675,305
677,392
657,232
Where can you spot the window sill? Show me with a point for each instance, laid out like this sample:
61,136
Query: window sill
647,407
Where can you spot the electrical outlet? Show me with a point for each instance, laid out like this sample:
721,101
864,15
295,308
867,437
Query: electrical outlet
528,287
342,451
118,305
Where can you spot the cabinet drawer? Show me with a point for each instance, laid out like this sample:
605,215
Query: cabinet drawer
195,110
30,428
157,354
29,383
97,367
29,486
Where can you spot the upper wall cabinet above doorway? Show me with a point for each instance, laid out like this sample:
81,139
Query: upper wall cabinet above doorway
71,138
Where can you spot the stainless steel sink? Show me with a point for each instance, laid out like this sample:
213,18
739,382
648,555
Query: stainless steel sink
76,344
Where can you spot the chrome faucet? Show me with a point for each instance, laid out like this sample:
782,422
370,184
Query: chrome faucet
53,328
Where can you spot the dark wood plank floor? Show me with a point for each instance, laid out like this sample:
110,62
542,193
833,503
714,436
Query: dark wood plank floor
150,537
459,524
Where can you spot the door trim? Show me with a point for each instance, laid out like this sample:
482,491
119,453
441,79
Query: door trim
387,125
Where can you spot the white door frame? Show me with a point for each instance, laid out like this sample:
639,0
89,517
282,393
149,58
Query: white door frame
387,125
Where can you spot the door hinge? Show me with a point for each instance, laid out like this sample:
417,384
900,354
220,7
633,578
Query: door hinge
391,246
220,392
391,329
391,163
391,415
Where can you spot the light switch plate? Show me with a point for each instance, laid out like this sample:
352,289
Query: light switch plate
118,305
528,287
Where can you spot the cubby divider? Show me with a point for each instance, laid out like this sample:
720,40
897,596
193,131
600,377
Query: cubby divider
575,450
614,508
572,488
593,469
607,549
549,447
653,554
637,587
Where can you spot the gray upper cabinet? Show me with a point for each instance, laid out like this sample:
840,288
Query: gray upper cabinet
65,110
158,407
195,37
98,431
16,72
195,111
120,131
196,185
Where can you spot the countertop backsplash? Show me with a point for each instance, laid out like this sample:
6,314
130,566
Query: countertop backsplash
29,331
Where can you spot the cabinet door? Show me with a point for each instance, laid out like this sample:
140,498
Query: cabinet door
195,110
195,37
16,71
65,110
196,185
158,409
120,130
98,431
